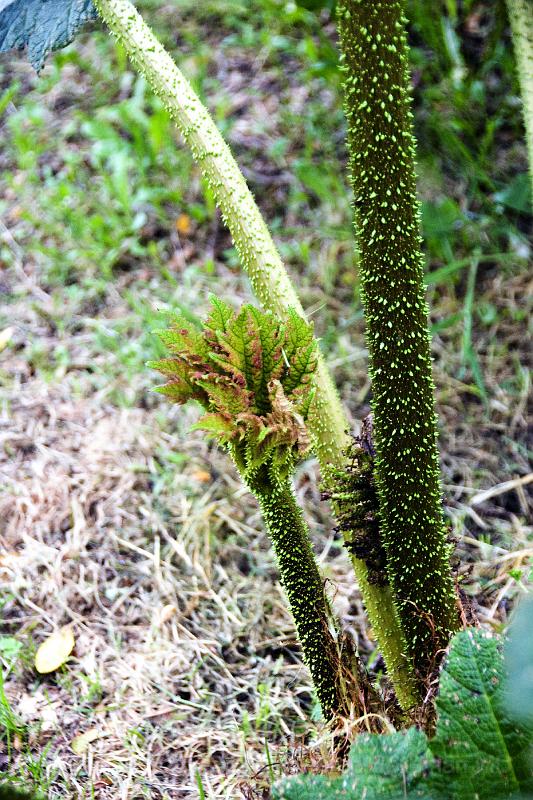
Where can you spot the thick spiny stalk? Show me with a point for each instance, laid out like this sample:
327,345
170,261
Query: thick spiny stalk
381,146
268,276
304,589
521,18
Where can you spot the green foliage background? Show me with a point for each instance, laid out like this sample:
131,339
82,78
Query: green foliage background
115,149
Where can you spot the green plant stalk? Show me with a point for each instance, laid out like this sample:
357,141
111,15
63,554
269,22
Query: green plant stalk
253,376
257,251
304,588
268,276
521,19
381,147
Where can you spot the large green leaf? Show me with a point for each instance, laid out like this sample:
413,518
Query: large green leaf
310,787
478,752
391,767
484,753
41,25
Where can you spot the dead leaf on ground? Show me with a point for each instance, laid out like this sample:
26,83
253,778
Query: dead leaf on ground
81,742
183,224
201,475
167,612
55,650
5,337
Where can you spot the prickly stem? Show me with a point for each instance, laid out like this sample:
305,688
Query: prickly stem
521,18
381,146
304,588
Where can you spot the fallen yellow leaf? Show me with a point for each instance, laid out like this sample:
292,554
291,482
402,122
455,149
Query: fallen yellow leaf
183,224
167,612
5,337
55,650
201,475
81,742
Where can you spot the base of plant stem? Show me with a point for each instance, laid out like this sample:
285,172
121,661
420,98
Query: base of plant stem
304,588
379,605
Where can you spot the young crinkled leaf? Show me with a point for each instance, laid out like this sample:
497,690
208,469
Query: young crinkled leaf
300,353
253,376
181,386
234,354
220,315
179,391
280,435
217,426
184,338
269,365
287,418
41,25
251,348
190,359
224,394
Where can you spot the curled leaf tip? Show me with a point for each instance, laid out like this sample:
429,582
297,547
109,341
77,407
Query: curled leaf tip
252,373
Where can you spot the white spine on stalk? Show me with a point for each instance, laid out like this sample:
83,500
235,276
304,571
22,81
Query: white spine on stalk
521,18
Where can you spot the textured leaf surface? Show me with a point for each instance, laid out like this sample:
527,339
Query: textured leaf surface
484,753
310,787
42,25
251,347
300,353
477,753
390,767
215,425
220,315
253,375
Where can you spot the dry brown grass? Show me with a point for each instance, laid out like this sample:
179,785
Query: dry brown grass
185,657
